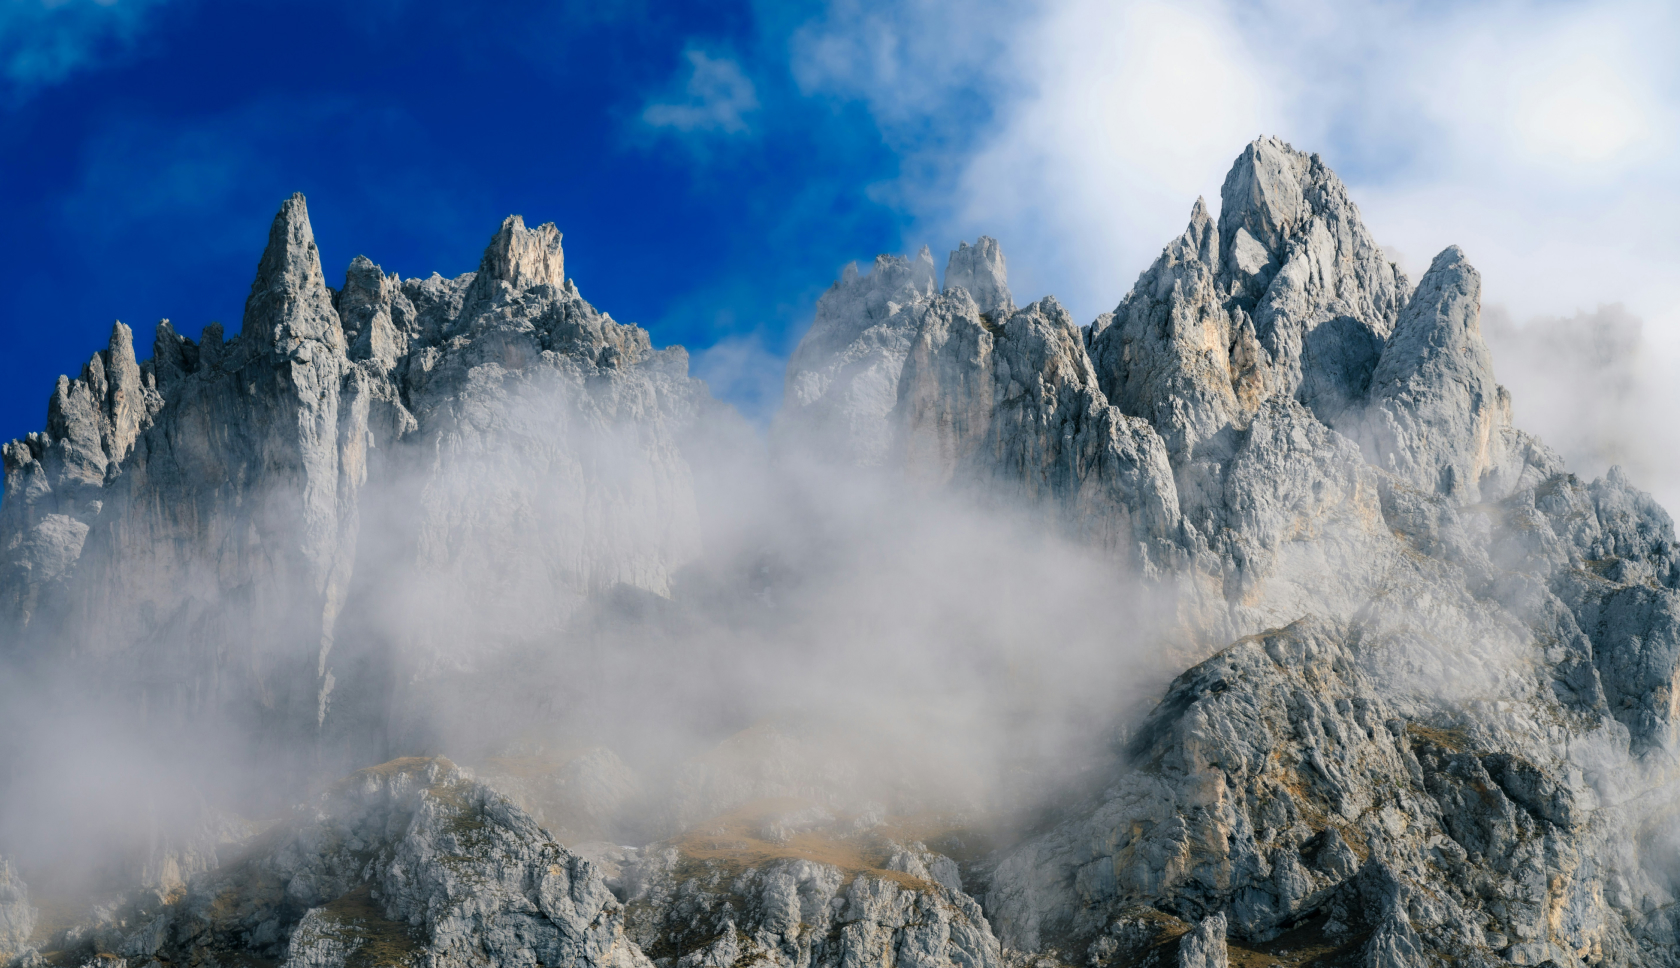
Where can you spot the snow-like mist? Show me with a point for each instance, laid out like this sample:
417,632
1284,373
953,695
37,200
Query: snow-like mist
1592,386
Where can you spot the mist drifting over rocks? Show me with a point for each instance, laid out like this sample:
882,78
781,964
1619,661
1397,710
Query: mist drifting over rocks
446,622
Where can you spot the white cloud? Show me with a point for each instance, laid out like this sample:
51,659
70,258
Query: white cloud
42,42
718,98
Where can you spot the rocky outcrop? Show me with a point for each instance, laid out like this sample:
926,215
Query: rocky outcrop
1010,402
1276,786
788,884
979,270
843,379
55,480
409,863
1341,490
1438,420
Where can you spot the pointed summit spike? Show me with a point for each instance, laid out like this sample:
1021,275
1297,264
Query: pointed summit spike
124,394
1439,412
981,271
289,301
120,347
524,258
1265,192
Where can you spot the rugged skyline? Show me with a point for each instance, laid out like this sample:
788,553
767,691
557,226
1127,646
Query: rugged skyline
714,165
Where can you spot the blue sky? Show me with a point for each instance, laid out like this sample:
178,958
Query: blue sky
712,165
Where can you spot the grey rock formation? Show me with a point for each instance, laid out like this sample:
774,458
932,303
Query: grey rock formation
409,863
787,888
1204,947
1011,401
1286,295
980,271
234,531
1486,642
843,379
1438,420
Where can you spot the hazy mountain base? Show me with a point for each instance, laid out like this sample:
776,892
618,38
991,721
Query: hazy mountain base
1445,731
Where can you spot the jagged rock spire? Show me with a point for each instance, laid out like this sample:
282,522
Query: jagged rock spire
843,378
290,304
1287,295
173,355
524,258
364,306
1167,355
95,418
1295,252
980,269
1438,417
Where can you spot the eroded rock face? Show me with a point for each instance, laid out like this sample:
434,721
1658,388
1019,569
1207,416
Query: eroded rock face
1010,400
1485,642
1275,785
843,379
789,884
1438,420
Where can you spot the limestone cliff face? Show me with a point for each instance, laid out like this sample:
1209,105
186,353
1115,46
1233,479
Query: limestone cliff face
1010,399
270,529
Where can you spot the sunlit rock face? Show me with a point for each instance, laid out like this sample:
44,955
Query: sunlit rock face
1423,702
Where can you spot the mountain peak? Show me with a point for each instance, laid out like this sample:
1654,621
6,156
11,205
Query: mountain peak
523,257
980,269
289,301
1265,193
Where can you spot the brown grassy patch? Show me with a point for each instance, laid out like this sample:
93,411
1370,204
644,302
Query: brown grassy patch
1450,739
382,942
401,765
730,844
1306,944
